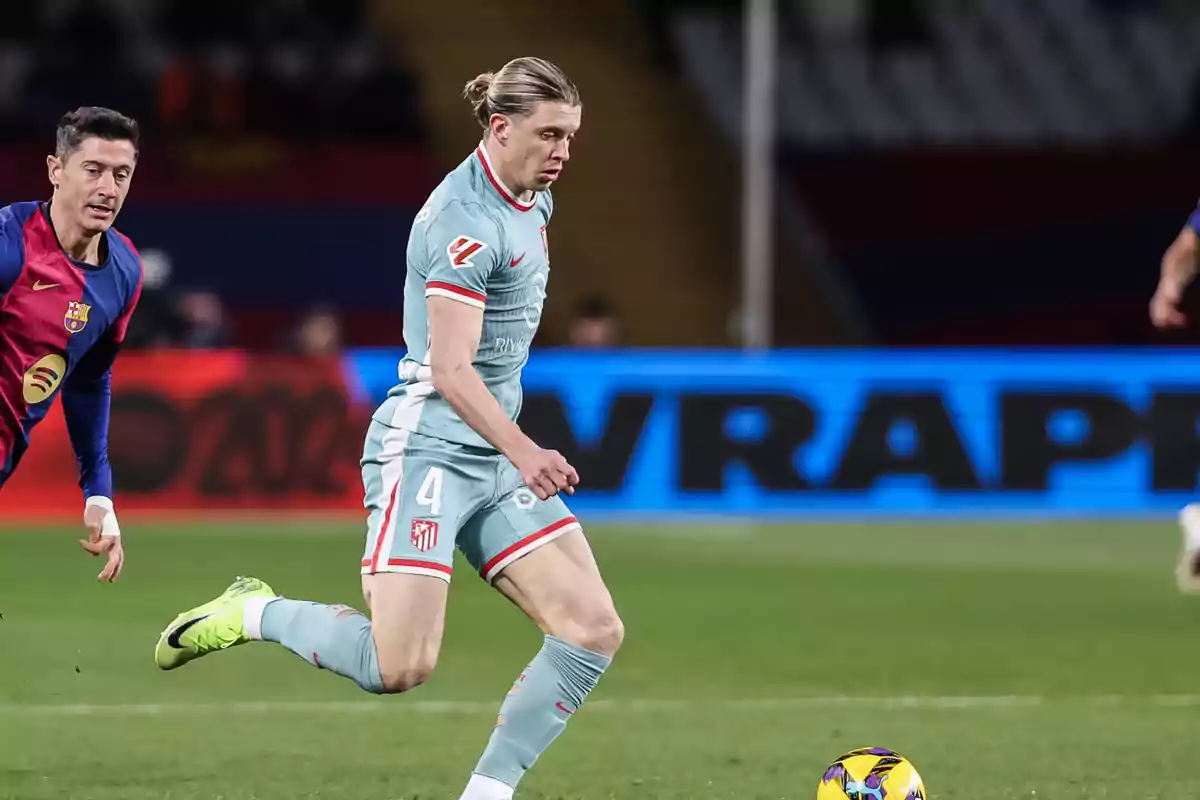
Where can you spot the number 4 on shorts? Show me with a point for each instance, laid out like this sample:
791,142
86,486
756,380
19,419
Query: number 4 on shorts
430,493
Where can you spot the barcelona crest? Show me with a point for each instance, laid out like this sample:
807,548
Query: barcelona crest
76,317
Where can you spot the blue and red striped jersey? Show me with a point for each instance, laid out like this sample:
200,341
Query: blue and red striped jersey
61,325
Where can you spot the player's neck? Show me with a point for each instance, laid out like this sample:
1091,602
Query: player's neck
503,172
74,240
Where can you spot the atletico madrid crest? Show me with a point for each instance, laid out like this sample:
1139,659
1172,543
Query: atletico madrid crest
424,534
76,318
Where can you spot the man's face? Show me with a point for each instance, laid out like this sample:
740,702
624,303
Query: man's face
539,144
93,180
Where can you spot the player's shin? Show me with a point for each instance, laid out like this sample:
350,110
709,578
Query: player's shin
545,696
336,638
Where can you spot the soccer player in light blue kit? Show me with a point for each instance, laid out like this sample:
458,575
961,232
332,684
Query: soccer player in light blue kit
445,463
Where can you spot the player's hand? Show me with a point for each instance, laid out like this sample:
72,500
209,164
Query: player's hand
104,537
1164,306
546,472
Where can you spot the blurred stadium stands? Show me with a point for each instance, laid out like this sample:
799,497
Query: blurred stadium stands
899,73
287,150
258,122
225,68
972,171
949,171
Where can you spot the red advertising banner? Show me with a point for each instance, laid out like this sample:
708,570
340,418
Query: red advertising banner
209,431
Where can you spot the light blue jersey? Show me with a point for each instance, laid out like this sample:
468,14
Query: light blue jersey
476,243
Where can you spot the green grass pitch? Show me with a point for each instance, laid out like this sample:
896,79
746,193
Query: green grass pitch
1007,660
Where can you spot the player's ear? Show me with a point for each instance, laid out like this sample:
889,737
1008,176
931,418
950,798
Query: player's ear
54,170
500,127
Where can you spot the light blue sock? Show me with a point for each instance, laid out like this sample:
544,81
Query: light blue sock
336,638
549,691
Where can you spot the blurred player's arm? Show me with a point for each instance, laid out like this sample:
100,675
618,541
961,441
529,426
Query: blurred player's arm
1178,270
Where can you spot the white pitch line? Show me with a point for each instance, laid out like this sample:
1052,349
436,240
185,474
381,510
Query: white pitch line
901,702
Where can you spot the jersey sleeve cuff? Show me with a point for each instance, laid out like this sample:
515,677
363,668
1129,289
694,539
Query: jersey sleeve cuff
453,292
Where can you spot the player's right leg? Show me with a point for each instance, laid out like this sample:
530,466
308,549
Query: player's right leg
406,573
1187,571
393,651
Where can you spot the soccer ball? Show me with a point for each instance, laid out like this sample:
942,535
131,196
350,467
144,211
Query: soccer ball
871,773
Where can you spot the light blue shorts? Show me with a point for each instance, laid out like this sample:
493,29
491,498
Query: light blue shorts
425,496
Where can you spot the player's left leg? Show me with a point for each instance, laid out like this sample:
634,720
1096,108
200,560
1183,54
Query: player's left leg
534,552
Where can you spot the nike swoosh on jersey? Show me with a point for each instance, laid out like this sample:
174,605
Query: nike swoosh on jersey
517,261
173,637
38,286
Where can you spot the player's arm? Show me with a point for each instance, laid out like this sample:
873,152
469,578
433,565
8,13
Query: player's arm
463,249
87,403
1178,269
86,399
454,329
11,259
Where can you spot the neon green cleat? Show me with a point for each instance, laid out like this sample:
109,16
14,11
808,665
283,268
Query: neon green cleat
213,626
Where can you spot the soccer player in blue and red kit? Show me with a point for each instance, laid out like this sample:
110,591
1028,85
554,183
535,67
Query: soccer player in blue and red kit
69,283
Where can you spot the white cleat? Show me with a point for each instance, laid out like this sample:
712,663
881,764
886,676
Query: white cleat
1187,571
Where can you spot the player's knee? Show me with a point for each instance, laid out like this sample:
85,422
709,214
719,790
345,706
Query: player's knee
398,681
607,634
406,675
602,632
404,671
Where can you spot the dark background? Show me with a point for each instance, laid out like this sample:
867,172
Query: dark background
972,172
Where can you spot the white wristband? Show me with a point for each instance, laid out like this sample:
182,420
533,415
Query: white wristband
109,526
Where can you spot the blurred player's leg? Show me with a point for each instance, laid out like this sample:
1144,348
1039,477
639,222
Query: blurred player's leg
1187,573
559,587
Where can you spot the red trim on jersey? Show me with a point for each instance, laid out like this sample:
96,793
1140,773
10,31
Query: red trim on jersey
500,187
528,540
458,290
